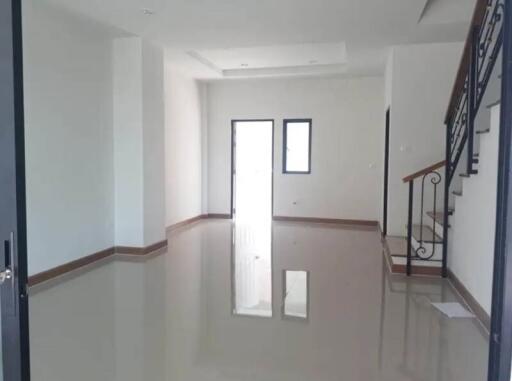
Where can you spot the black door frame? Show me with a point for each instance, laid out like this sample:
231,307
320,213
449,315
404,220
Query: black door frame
500,351
386,173
233,159
13,234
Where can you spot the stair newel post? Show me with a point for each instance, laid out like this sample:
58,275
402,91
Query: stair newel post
473,83
409,228
446,196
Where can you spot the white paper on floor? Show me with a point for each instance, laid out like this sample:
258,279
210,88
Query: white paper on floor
453,310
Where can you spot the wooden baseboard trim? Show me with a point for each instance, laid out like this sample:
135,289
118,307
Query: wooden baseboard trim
80,263
219,216
327,221
68,267
188,221
472,303
129,250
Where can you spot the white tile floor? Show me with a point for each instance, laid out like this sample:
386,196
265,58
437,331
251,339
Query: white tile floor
170,318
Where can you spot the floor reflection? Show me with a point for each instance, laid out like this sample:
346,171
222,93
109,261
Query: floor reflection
252,269
173,316
295,294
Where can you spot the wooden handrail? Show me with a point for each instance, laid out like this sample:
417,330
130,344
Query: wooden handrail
458,87
424,171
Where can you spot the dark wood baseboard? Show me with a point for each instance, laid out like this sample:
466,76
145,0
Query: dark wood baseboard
472,303
327,221
379,229
188,221
219,216
124,250
68,267
140,250
80,263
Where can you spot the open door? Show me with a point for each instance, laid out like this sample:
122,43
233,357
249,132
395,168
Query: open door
13,264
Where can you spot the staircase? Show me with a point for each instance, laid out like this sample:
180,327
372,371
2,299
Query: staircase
468,122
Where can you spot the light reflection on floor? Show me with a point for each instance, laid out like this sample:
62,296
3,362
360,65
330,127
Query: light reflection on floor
173,316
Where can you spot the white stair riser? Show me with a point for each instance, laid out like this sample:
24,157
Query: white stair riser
439,229
429,247
415,262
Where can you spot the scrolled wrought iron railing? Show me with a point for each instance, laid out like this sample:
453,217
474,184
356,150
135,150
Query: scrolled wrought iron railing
457,130
480,55
425,248
489,40
481,52
435,180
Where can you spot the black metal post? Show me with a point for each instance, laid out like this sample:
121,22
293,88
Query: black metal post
447,177
500,350
409,228
473,83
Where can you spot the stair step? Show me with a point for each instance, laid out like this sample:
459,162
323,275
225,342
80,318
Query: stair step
467,175
483,131
426,234
495,103
437,217
397,245
457,193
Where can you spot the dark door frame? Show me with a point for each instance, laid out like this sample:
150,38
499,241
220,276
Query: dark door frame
233,159
285,148
13,233
500,350
386,173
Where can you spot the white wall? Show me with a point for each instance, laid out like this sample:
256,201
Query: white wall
69,137
78,190
153,143
138,142
347,142
128,148
183,147
471,240
421,81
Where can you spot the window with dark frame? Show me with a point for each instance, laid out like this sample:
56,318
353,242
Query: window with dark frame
297,146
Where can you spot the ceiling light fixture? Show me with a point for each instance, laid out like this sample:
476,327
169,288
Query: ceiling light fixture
244,65
312,62
148,12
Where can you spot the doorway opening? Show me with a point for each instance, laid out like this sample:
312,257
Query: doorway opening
252,170
251,210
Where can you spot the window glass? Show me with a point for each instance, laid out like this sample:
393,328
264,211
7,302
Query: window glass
297,146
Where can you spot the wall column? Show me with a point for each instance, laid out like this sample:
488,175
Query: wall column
138,103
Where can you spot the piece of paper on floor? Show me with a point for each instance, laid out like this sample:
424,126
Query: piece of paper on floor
453,310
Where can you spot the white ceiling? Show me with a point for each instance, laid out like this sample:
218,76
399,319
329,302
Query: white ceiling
446,11
213,38
276,56
275,60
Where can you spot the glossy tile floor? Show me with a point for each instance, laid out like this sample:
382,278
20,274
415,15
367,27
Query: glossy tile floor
203,311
